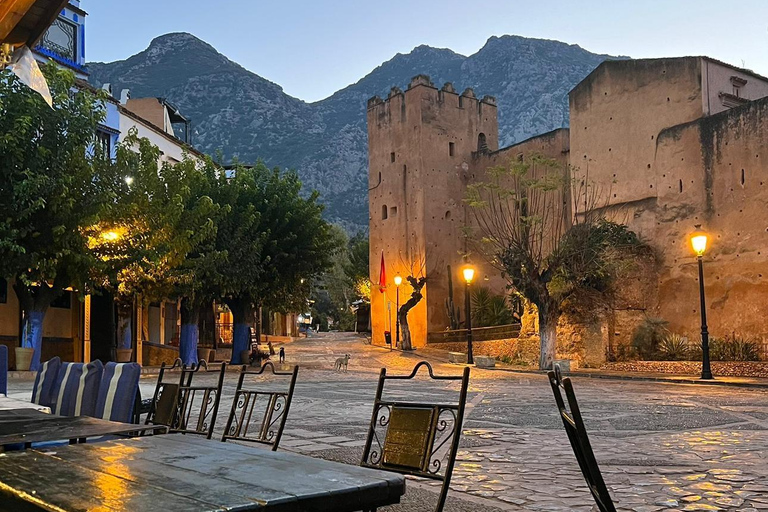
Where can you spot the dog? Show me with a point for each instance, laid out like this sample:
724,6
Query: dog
282,354
341,363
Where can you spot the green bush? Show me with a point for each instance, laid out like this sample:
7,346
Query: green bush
731,348
675,348
648,337
489,310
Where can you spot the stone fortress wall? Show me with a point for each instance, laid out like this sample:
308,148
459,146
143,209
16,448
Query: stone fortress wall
670,143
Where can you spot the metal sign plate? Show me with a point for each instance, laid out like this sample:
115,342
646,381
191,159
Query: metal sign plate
408,435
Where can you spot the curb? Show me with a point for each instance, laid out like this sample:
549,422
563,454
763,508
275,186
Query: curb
671,379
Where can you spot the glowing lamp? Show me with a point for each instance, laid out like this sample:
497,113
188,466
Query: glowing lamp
469,274
699,241
110,236
398,280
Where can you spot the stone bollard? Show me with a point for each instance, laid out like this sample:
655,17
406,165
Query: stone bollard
485,361
457,357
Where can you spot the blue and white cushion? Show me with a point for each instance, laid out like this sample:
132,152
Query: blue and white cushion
117,392
44,382
77,389
3,369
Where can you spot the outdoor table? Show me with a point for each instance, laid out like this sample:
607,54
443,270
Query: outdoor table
178,472
32,426
7,402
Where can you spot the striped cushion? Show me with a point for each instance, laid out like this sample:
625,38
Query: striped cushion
3,369
42,392
117,392
77,388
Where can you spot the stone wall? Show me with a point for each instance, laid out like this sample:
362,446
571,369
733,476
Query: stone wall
155,355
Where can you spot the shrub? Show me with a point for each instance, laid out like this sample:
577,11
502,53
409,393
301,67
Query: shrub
489,310
731,348
648,337
675,348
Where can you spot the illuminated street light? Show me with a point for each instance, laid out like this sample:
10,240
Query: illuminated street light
699,240
398,282
469,274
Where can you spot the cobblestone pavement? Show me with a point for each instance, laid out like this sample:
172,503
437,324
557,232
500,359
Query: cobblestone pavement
661,447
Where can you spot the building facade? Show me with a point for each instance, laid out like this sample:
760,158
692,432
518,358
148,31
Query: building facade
670,143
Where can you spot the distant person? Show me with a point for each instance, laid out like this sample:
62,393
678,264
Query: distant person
282,354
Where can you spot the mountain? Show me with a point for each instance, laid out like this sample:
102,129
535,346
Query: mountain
247,117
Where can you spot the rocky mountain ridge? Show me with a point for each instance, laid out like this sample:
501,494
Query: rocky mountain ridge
247,117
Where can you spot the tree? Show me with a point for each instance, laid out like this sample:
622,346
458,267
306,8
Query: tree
415,264
275,240
55,183
549,237
162,215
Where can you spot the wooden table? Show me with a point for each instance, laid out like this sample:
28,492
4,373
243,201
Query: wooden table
7,403
31,426
187,473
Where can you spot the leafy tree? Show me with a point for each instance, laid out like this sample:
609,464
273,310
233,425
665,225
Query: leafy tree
55,186
549,237
275,240
163,213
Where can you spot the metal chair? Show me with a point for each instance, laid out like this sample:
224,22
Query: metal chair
577,435
163,407
415,438
201,402
267,409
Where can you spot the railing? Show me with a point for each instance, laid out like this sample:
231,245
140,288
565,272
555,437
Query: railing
499,332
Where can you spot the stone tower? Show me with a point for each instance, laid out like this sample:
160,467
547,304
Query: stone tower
421,147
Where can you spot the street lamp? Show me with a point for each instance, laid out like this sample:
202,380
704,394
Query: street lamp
398,282
469,275
699,244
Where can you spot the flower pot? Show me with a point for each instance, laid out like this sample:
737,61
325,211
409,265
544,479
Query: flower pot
23,358
205,354
124,355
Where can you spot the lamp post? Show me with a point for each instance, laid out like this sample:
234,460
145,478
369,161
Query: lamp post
699,244
398,282
469,275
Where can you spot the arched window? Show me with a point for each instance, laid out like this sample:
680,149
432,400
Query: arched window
384,212
482,145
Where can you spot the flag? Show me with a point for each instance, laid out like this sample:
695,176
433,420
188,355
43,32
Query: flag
382,275
25,67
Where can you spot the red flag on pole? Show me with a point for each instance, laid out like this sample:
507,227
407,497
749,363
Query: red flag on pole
382,275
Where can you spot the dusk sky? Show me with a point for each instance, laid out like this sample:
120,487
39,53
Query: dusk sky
314,48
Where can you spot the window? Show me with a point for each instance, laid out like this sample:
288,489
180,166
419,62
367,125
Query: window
482,145
104,140
451,148
384,212
61,38
392,157
393,211
3,291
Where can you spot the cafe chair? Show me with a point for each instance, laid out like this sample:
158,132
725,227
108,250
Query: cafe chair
42,391
77,389
416,438
259,414
4,369
198,404
577,435
163,407
118,391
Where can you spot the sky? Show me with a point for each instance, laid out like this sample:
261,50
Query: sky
313,48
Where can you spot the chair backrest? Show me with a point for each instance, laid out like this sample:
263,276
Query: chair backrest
577,435
259,415
164,406
3,369
198,404
117,392
77,388
416,438
42,391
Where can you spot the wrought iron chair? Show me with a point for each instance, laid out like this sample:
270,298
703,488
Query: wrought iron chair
577,435
267,409
163,407
415,438
200,402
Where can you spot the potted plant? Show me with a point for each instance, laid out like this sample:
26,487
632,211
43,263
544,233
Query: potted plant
24,353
